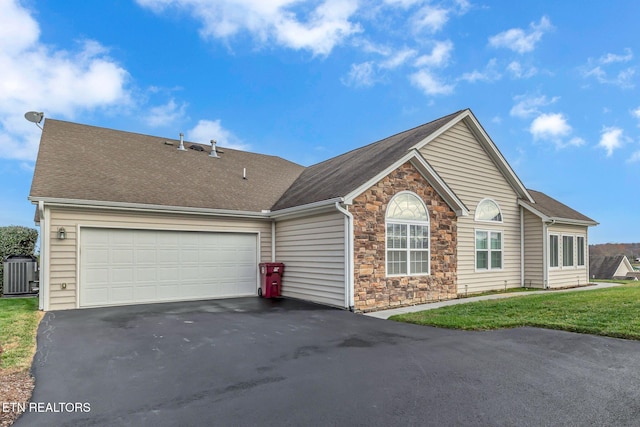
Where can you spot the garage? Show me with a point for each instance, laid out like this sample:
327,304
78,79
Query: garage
124,266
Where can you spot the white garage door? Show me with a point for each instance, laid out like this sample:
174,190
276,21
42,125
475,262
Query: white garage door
139,266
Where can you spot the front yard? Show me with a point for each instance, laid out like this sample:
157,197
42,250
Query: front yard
19,319
613,312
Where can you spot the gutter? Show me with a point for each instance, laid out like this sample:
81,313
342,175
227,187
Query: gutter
349,267
305,209
75,203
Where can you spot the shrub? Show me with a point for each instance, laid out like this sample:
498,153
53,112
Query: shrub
16,240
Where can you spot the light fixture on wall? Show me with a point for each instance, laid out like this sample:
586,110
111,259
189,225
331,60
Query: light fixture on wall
62,233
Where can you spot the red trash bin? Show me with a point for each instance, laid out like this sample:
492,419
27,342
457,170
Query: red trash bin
270,279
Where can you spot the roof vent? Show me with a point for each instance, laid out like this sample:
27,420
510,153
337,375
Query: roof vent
181,147
214,152
196,147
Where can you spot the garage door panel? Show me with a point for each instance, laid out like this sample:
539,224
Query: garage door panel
121,256
120,294
146,255
145,293
132,266
168,274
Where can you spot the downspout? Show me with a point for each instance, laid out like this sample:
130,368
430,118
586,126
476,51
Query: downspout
349,266
521,247
545,251
545,256
273,241
43,294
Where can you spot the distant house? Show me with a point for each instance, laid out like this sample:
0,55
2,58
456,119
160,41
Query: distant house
610,267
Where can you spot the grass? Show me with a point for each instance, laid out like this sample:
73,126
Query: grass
19,319
613,312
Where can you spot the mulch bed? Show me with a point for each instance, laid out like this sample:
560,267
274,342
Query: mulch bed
14,387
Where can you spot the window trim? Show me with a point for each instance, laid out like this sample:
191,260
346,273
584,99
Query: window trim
488,221
560,251
489,250
572,247
408,249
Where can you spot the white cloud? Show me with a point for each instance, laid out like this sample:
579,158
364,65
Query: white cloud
611,139
430,84
519,40
528,106
636,113
402,3
398,58
612,57
624,78
37,77
163,115
601,70
439,56
489,74
318,30
517,71
550,126
554,128
360,75
635,157
206,130
431,19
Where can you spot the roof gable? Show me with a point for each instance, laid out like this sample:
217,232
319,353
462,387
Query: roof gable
490,148
87,163
341,175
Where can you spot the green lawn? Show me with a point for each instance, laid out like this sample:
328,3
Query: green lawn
613,312
19,318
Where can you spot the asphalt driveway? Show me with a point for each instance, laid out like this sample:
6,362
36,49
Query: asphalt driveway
251,361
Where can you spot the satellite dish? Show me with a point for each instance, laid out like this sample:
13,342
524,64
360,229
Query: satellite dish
33,116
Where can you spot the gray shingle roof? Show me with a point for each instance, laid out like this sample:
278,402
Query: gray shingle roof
554,209
340,175
83,162
604,267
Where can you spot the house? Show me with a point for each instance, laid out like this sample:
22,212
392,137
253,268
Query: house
610,267
420,216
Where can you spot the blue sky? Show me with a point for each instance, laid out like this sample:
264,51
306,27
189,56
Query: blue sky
555,84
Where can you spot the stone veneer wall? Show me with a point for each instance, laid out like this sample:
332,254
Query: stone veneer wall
373,290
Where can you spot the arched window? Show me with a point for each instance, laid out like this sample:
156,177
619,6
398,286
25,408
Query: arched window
489,242
488,210
407,222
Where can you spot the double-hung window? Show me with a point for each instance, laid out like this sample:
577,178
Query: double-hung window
554,249
488,250
489,243
407,236
567,251
580,249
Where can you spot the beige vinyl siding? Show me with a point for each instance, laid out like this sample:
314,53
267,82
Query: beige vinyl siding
461,161
533,250
312,249
562,276
622,270
63,266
